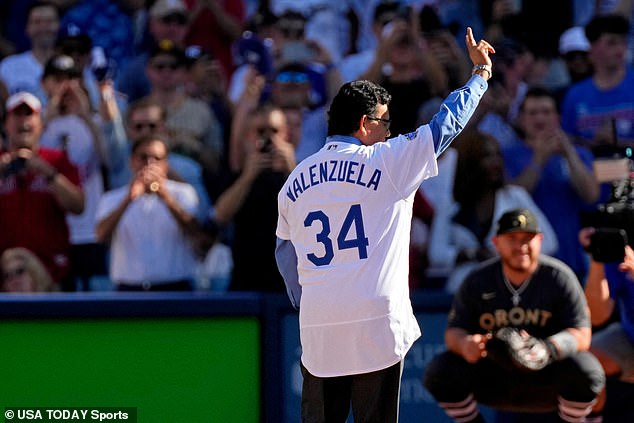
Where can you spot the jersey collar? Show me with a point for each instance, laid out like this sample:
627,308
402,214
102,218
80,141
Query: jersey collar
344,138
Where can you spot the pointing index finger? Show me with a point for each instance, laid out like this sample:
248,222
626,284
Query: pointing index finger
469,37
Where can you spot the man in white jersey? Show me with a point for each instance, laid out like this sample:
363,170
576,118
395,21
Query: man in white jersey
343,244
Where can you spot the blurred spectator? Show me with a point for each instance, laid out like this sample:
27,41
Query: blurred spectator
600,110
285,44
23,272
146,117
70,125
443,45
250,203
13,21
491,116
291,87
325,21
513,62
609,288
295,123
293,47
23,71
72,41
95,66
205,82
360,21
109,24
517,19
573,48
497,114
501,19
410,74
214,270
215,25
384,12
253,54
149,224
586,10
38,187
168,20
4,95
461,236
422,216
558,174
193,129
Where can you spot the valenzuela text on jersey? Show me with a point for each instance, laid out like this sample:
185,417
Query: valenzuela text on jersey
346,171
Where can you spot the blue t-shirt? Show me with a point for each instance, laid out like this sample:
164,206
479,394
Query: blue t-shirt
622,291
586,108
556,197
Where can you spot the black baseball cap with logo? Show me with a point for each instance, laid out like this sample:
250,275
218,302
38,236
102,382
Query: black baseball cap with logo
61,65
517,220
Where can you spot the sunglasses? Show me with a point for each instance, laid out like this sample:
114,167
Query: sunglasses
386,122
292,77
267,130
139,126
175,18
10,274
163,66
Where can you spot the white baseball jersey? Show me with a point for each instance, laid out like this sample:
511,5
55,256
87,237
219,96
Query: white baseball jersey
347,211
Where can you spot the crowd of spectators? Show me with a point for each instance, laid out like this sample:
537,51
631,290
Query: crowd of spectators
237,91
143,142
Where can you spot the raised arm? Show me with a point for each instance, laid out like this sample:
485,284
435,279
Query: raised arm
460,105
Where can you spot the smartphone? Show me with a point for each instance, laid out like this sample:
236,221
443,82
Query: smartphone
297,51
266,145
16,165
607,245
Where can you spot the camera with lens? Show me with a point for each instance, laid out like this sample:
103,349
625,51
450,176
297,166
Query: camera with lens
266,145
614,219
607,245
16,165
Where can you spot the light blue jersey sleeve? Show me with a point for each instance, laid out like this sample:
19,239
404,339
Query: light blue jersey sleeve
455,112
286,258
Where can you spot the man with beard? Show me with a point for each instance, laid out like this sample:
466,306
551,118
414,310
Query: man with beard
38,187
541,297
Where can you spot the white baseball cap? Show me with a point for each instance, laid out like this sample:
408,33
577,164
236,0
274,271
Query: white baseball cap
23,97
162,8
573,39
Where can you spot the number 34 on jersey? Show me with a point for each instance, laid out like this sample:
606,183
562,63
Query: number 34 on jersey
351,235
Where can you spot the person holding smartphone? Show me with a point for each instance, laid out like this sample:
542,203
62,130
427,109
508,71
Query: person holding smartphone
610,285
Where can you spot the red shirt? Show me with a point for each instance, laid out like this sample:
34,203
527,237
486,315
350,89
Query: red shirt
203,31
31,217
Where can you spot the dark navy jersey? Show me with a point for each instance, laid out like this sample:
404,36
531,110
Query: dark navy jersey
549,302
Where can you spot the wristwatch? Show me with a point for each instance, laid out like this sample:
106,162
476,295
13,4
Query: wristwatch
482,67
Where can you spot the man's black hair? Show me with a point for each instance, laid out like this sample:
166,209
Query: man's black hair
354,99
387,10
606,24
147,139
538,92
